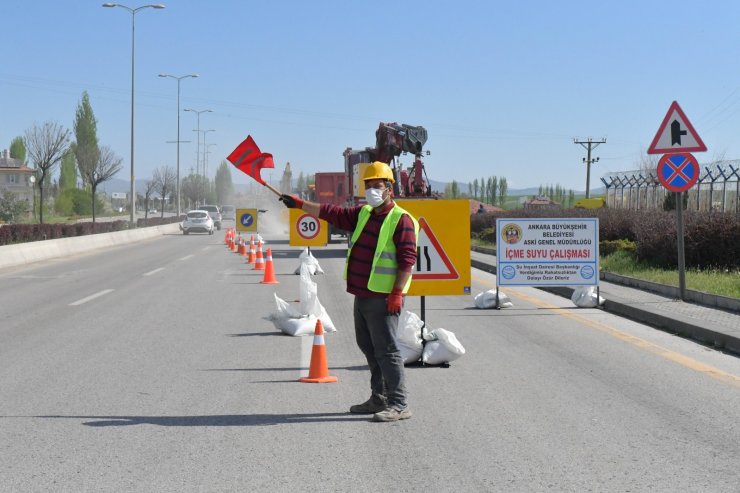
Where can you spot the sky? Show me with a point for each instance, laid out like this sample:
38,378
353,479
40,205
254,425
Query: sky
502,88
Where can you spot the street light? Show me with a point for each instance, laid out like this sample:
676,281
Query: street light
178,79
133,18
197,154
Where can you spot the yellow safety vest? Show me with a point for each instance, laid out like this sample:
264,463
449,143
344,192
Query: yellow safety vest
385,267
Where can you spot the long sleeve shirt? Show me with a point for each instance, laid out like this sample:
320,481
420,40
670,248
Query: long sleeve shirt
361,256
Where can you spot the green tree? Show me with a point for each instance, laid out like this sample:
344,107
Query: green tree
455,189
474,193
301,184
223,183
11,207
669,202
86,138
483,186
503,189
494,190
18,149
68,170
571,198
46,145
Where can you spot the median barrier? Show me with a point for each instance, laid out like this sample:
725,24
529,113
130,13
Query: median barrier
36,251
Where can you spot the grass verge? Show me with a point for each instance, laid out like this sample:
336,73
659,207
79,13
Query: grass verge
714,281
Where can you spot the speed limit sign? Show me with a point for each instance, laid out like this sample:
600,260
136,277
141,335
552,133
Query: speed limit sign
308,226
307,230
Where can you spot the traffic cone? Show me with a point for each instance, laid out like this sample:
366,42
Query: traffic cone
269,277
318,372
252,253
242,250
259,262
234,244
226,237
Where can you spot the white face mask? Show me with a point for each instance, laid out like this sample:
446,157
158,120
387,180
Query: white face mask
374,197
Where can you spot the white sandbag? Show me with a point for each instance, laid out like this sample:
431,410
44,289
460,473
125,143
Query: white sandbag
408,336
442,347
307,258
487,299
585,297
309,300
298,326
283,310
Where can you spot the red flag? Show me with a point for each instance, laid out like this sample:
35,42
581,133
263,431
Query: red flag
248,159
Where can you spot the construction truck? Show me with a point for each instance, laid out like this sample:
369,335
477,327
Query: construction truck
391,140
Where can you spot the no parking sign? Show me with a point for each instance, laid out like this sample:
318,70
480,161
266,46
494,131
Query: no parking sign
307,230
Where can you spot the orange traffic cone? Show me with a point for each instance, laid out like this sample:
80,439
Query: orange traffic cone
252,253
269,277
318,372
259,262
242,250
235,243
226,237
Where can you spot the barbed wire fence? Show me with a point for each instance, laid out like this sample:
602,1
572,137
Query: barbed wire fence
716,190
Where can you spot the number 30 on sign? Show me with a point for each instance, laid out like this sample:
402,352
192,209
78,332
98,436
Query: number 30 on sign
307,230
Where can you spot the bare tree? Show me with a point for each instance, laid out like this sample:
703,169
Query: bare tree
165,179
46,145
102,169
149,188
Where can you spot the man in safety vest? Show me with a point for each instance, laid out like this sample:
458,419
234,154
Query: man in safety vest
380,259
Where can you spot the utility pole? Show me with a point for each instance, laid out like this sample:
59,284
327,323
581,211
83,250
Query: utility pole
589,145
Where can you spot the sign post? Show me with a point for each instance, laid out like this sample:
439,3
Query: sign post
678,170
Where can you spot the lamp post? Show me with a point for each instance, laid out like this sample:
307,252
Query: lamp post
197,154
205,161
133,22
178,79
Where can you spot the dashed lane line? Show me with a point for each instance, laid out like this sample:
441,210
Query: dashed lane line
154,271
91,297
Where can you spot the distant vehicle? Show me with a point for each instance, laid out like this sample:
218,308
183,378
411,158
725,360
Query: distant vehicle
228,212
592,203
214,212
197,221
152,211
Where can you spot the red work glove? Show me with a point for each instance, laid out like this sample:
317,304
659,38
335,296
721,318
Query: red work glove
394,302
291,201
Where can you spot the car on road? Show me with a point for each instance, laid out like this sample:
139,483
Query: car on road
228,212
197,221
214,212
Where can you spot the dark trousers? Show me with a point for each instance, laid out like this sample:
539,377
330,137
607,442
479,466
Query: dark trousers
375,331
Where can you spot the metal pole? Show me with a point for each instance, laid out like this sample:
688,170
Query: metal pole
133,189
681,260
177,193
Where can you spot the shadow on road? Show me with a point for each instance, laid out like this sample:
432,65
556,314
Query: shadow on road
212,420
350,368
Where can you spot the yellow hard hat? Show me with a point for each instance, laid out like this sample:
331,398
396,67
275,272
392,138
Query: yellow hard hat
378,170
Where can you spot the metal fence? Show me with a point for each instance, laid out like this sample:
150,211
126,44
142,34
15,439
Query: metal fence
717,189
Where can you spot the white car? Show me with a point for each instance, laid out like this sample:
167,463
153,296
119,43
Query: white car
197,221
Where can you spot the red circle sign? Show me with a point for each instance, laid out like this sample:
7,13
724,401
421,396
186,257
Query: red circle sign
308,226
678,172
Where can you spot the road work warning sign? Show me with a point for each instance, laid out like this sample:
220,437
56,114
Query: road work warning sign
547,252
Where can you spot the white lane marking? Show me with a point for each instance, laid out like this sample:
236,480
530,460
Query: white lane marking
92,297
154,271
186,257
206,248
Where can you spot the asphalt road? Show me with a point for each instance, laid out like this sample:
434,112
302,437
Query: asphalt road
151,368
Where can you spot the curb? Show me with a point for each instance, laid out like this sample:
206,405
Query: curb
36,251
626,309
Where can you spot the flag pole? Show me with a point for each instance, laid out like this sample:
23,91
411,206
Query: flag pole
273,189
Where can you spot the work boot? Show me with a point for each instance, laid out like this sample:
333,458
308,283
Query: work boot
391,414
371,406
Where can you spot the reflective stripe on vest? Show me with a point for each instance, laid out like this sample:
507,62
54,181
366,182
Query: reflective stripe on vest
385,267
